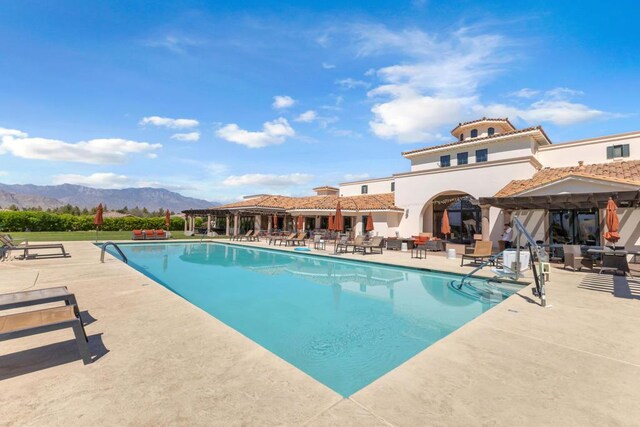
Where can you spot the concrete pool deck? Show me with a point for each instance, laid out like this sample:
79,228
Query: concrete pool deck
162,361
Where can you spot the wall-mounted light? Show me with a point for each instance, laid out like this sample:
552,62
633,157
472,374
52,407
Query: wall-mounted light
406,213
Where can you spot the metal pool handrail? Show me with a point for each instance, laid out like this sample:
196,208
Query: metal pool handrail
104,247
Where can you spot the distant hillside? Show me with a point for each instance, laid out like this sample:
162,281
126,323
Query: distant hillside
50,196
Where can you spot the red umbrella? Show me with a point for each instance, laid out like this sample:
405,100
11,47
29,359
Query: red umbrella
445,228
330,222
98,220
613,222
369,226
300,222
337,221
167,219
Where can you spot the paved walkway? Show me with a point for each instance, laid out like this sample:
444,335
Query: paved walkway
162,361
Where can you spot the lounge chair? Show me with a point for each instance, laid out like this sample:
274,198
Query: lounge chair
149,235
50,319
343,247
25,248
481,252
298,239
137,235
280,239
372,246
161,234
247,236
37,296
573,258
241,236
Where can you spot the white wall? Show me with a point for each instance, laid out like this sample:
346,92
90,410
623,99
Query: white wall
413,191
590,151
498,150
376,186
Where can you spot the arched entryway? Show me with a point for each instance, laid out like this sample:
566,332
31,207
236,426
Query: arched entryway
465,216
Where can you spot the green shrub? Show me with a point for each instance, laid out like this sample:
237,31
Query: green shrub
45,221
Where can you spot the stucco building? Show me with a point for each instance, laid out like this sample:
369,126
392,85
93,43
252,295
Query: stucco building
489,172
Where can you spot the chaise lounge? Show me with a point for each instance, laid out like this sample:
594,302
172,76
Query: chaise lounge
25,247
372,246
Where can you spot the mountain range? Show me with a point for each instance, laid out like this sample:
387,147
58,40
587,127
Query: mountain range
52,196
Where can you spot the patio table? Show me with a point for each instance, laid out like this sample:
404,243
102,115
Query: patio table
614,260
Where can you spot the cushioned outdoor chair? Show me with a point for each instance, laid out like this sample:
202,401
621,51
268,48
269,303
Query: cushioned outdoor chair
137,235
372,246
573,258
481,252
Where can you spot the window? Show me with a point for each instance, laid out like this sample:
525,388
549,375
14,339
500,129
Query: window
364,189
445,161
491,131
474,133
482,155
463,158
393,186
461,136
614,151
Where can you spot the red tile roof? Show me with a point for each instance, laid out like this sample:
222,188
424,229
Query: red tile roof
484,138
364,202
485,119
623,172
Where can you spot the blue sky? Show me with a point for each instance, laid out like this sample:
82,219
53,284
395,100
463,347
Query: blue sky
221,99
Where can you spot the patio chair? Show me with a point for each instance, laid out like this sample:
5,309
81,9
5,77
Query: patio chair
319,242
137,235
298,239
481,252
161,235
50,319
25,248
573,258
149,235
342,245
37,296
375,244
247,236
281,239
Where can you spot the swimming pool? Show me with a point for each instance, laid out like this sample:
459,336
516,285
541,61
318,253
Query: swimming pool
344,323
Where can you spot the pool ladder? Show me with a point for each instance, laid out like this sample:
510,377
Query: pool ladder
104,247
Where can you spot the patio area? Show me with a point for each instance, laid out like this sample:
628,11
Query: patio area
162,361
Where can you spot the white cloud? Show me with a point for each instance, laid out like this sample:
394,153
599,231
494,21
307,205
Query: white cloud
525,92
169,122
273,133
345,133
307,117
327,66
4,173
350,83
356,176
98,180
96,151
191,136
12,132
280,102
440,79
268,180
173,43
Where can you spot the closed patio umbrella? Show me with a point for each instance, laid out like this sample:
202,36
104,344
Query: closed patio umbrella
330,227
445,228
98,220
167,219
338,223
613,222
300,222
369,226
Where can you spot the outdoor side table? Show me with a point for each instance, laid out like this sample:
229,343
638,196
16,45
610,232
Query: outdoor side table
418,252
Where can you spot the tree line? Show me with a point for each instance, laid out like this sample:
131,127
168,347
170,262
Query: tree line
77,211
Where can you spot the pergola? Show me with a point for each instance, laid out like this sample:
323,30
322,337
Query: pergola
237,213
565,201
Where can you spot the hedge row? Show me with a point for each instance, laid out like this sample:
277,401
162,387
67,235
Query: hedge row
44,221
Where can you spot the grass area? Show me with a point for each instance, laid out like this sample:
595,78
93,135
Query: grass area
67,236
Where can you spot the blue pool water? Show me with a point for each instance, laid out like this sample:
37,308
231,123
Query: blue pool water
343,323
